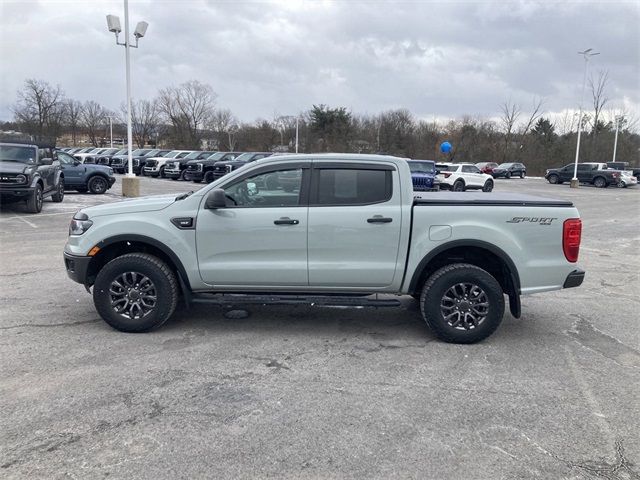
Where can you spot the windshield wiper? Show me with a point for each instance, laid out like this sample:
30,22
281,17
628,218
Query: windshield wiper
183,196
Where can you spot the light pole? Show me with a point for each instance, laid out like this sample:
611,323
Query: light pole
110,131
615,140
586,54
130,184
297,134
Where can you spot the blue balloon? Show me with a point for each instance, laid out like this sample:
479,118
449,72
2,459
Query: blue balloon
445,147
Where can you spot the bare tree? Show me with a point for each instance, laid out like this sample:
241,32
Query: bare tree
599,97
93,118
536,113
72,117
145,120
510,114
39,109
189,108
225,126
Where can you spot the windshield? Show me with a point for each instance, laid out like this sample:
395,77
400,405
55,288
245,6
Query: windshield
192,156
422,167
245,157
17,154
216,156
110,151
173,154
505,165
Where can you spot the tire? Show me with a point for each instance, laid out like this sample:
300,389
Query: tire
599,182
488,186
554,179
621,184
507,175
522,174
162,172
181,177
208,176
59,195
444,294
123,279
142,174
35,200
458,186
97,185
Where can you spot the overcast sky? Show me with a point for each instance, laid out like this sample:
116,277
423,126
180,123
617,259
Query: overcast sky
437,59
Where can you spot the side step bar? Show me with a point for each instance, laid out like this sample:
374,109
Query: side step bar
313,300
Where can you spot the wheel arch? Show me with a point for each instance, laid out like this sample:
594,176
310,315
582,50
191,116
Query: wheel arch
118,245
476,252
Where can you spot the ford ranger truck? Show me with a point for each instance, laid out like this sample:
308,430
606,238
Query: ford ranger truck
331,229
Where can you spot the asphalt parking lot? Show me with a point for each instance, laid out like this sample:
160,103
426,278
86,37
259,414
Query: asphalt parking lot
305,392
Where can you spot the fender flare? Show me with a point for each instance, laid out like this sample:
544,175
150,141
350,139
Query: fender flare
182,273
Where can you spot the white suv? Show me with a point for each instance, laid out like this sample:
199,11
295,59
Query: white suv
463,176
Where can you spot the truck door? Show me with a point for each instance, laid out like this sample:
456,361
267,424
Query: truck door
355,218
260,238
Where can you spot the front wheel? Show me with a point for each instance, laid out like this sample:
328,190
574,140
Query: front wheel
97,185
162,172
553,179
135,292
462,303
208,177
59,195
621,184
599,182
488,186
34,202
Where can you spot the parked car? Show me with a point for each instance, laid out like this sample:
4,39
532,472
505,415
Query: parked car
596,174
627,179
155,166
222,167
138,157
350,228
486,167
198,170
177,168
463,176
508,170
423,175
30,172
624,166
85,177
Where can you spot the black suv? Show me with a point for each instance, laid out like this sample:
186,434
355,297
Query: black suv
508,170
30,172
198,170
222,167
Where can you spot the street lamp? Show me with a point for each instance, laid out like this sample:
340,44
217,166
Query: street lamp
130,184
615,141
586,54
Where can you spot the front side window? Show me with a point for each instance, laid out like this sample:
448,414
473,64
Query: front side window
272,189
352,186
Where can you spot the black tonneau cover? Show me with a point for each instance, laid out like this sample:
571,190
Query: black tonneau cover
486,199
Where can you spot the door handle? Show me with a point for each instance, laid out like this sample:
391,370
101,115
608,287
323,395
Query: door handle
379,219
286,221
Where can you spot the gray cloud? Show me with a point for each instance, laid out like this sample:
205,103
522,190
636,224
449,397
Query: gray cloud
438,59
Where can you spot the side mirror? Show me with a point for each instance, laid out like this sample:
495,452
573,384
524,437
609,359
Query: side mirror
46,161
216,199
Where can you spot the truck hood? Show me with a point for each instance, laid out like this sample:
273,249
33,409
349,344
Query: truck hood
14,167
134,205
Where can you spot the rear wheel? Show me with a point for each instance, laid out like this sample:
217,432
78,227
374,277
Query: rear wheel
553,179
488,186
599,182
59,195
135,292
35,200
521,174
462,303
458,186
97,184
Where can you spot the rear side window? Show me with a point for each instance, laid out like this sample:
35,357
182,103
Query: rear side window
353,186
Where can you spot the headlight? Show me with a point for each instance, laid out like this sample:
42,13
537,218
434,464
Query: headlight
110,171
21,178
79,224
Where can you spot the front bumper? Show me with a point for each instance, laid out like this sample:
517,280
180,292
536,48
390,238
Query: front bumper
195,176
77,267
574,279
172,173
8,190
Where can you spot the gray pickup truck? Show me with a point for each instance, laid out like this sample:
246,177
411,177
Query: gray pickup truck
325,229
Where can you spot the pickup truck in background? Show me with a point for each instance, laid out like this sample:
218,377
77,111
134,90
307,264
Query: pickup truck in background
596,174
329,229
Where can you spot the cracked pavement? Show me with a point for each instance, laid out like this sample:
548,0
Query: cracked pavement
311,392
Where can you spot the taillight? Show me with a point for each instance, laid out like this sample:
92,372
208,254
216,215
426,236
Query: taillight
571,235
446,175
